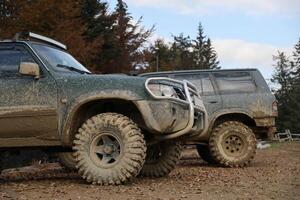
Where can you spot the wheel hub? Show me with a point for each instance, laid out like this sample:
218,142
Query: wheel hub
233,145
108,149
105,149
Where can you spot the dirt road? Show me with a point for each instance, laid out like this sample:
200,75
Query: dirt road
275,174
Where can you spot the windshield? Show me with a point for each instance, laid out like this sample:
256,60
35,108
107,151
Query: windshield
57,58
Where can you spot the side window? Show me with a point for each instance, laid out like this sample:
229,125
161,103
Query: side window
201,81
190,77
207,87
231,82
10,59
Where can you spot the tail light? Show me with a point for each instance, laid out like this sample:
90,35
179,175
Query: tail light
275,108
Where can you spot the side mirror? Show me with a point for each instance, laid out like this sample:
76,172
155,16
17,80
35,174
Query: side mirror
30,69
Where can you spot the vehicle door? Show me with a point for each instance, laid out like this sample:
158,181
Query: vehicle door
28,106
211,99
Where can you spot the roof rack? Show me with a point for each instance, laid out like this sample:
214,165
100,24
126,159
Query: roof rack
28,35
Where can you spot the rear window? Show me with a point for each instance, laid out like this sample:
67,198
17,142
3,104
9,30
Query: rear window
231,82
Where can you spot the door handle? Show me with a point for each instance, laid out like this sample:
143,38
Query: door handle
213,102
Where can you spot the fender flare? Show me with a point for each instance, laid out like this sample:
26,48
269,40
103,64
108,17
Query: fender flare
216,115
75,105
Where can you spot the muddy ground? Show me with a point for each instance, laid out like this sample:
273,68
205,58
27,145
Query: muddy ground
274,174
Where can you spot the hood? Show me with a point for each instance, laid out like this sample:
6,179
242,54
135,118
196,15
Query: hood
74,85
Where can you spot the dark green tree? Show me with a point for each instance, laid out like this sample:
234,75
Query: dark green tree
97,18
159,56
294,95
181,52
128,42
282,79
199,49
210,56
99,33
287,79
205,56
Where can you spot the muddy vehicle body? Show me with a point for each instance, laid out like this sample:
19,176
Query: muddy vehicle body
240,107
102,124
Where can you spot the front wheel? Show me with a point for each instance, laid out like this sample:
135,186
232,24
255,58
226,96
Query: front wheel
109,149
161,159
232,144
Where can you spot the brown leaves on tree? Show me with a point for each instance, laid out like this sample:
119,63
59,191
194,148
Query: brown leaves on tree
103,42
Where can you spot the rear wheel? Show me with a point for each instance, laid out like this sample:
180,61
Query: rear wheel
161,159
232,144
109,149
204,153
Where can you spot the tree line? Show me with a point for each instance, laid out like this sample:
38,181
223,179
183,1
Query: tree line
184,53
105,41
287,81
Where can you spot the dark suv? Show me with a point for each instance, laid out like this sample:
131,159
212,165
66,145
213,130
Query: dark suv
241,108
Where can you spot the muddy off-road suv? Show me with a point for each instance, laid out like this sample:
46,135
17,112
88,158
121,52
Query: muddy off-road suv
109,127
240,108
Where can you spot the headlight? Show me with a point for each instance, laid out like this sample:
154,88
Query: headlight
162,90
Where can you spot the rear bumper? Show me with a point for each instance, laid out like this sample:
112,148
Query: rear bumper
265,122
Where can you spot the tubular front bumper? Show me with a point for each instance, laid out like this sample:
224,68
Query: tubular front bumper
192,115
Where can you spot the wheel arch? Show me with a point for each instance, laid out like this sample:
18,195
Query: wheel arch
240,116
93,106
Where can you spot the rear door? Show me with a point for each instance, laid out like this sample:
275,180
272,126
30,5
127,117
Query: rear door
28,106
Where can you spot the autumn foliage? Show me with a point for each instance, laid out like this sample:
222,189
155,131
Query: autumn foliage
105,42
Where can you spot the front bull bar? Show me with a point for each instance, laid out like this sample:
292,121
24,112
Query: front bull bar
189,101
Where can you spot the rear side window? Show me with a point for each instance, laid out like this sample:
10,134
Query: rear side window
231,82
201,81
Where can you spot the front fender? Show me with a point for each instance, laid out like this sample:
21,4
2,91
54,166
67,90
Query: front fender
69,111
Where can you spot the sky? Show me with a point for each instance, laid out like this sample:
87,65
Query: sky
245,33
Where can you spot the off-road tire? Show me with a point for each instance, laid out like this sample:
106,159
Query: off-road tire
232,144
205,154
68,160
161,159
105,127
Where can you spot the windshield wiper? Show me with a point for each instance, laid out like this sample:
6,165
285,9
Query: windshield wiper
72,69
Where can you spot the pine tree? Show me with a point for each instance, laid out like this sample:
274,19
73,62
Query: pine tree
98,21
210,55
282,75
181,54
282,78
99,33
295,63
205,57
128,42
159,54
294,103
199,49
